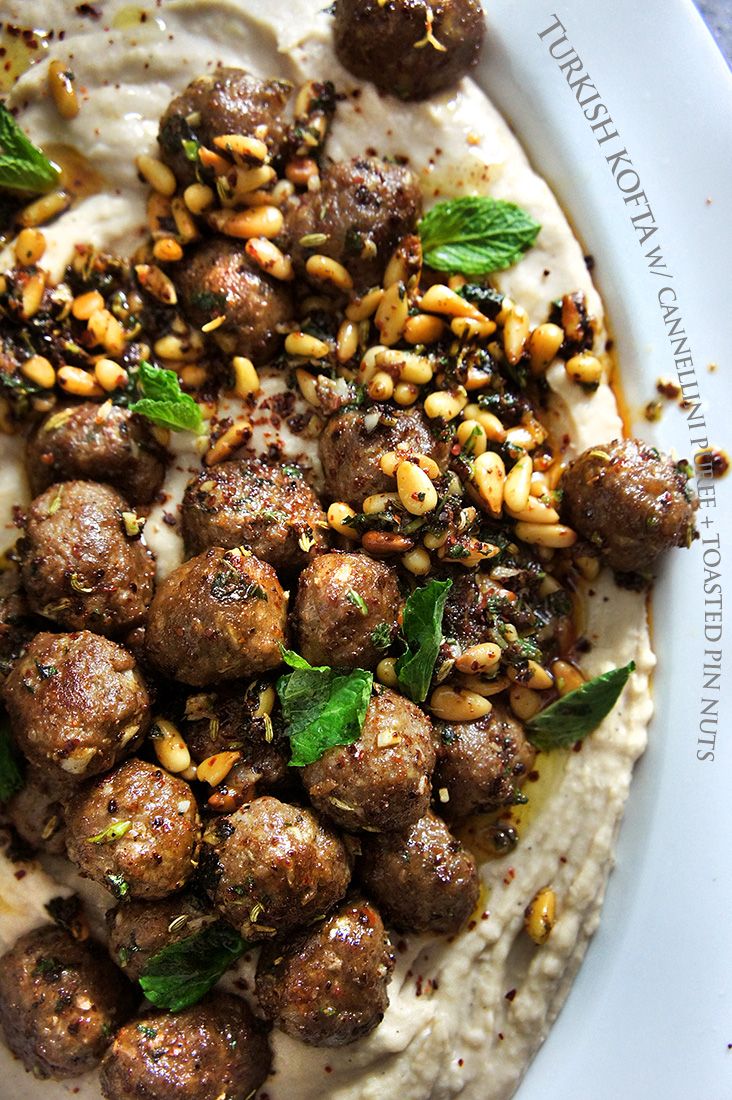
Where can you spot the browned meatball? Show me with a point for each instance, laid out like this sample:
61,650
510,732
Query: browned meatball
271,867
228,101
60,1002
409,48
17,625
268,508
79,565
423,879
216,723
139,929
482,764
346,610
350,449
217,279
36,813
99,443
364,207
630,502
327,986
214,1049
382,781
77,704
136,831
219,616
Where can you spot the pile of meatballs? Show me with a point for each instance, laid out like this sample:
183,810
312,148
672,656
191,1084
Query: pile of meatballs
110,674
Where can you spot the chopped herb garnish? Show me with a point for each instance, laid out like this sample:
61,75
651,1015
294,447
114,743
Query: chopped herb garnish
147,1031
78,585
321,707
476,234
117,885
56,502
190,148
23,167
183,972
46,671
422,629
358,601
577,714
113,832
162,400
381,636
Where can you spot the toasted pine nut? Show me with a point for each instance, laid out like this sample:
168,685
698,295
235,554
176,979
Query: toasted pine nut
554,536
305,346
381,544
338,513
106,330
434,541
347,341
458,706
257,221
241,145
517,489
539,485
588,566
214,769
479,658
392,314
40,371
167,250
157,283
30,245
416,491
157,174
489,475
416,369
535,677
444,404
32,296
390,460
490,423
521,437
485,687
209,159
379,502
110,375
188,349
406,393
386,673
541,916
327,270
266,702
381,386
245,182
198,197
85,304
566,677
360,309
467,328
440,299
300,170
515,334
524,702
281,192
170,748
585,369
44,209
269,258
471,437
417,561
423,328
78,382
534,512
246,379
229,442
184,223
61,87
544,343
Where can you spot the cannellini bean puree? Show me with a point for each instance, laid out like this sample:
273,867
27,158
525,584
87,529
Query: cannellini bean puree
450,1030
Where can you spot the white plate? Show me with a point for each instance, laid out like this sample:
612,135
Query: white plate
650,1014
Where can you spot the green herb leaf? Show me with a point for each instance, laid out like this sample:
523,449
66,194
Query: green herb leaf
357,600
11,777
573,716
422,629
183,972
321,707
475,235
23,167
163,401
117,884
113,832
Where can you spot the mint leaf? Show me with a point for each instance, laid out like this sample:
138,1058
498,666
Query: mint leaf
11,777
422,629
23,167
163,401
183,972
113,832
572,717
475,235
321,707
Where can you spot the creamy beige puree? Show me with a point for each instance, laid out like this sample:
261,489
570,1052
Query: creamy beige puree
450,1030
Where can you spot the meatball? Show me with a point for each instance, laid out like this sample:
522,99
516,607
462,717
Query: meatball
229,723
77,704
136,831
228,101
422,879
36,812
100,443
382,781
630,502
409,48
139,929
364,207
80,567
60,1002
268,508
346,610
219,616
350,449
271,867
212,1050
17,626
217,279
327,985
482,764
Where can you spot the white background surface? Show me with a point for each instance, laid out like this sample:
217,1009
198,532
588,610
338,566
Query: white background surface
650,1014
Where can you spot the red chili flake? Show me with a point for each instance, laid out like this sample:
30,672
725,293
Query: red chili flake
500,1035
509,876
471,925
461,1062
20,874
484,916
328,1069
533,776
511,994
